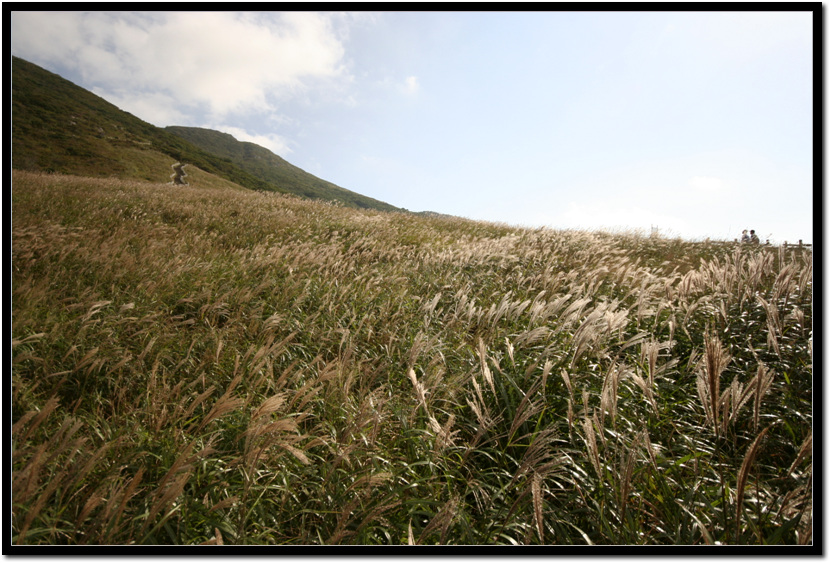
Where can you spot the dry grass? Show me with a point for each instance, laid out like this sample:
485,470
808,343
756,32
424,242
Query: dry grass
205,365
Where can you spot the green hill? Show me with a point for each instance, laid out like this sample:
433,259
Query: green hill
267,166
58,126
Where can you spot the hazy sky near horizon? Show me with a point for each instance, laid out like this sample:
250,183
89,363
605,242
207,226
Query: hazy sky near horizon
698,123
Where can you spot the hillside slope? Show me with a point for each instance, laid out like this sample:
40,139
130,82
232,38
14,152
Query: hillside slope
265,165
217,365
58,126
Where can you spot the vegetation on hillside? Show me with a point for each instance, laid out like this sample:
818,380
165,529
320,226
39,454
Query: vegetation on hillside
214,365
60,127
272,168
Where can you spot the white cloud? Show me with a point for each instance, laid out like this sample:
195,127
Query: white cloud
154,107
411,85
221,62
45,36
273,143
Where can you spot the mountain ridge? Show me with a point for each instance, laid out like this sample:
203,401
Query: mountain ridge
58,126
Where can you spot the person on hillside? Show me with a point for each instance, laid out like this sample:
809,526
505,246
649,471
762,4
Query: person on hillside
753,238
744,237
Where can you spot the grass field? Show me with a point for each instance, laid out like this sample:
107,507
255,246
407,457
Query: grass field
201,364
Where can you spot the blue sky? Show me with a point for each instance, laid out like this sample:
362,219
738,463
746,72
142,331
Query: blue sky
698,123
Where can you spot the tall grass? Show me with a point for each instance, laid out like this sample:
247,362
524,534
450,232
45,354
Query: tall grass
203,365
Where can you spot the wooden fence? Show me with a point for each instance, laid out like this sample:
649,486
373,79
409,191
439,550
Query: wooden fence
800,246
787,246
